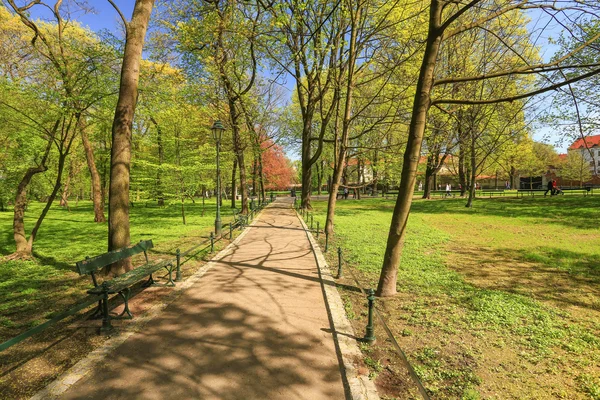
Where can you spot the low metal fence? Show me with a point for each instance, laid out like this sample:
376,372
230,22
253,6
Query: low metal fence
203,246
372,311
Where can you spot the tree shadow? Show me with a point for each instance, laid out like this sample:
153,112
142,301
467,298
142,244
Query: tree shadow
564,278
247,329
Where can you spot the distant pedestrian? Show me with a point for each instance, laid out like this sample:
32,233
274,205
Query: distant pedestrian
346,193
420,186
549,188
448,189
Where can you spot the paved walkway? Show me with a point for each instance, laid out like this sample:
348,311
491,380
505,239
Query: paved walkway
255,326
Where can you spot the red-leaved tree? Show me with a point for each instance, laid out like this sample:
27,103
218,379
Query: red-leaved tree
277,169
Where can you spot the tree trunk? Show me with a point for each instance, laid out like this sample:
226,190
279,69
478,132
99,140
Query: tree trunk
61,167
513,173
421,104
473,168
243,186
320,172
261,178
97,197
429,181
203,200
161,155
120,160
234,183
64,198
254,175
306,184
24,249
375,176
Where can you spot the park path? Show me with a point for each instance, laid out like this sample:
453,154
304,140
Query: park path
255,326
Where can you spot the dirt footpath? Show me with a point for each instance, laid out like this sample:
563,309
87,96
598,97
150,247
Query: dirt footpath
255,326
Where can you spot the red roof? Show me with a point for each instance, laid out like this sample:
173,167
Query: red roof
562,157
586,143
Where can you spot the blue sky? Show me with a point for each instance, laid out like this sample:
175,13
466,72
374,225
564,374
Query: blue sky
103,17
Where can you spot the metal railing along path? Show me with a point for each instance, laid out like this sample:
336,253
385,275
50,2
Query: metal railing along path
369,338
93,299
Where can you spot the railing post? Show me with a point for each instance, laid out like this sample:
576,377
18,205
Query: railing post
311,222
317,229
178,273
370,333
231,231
339,262
326,239
212,242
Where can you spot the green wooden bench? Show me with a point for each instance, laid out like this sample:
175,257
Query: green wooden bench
530,192
443,193
491,192
240,219
122,283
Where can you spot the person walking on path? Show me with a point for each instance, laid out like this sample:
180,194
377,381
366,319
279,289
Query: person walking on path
448,190
549,188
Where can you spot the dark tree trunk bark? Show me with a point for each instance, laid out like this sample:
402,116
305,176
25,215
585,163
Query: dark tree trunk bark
473,170
513,177
64,197
161,155
261,177
97,192
254,174
120,160
421,104
23,247
234,183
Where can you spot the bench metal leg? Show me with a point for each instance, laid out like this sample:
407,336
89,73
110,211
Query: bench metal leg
149,282
97,314
170,268
106,325
125,295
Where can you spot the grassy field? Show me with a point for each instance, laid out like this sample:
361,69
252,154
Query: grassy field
32,291
498,301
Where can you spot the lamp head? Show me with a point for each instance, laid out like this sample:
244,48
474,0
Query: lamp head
217,130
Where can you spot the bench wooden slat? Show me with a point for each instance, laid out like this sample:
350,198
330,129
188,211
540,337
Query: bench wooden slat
127,279
93,264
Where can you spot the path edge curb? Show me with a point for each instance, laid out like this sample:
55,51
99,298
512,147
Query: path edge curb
84,366
360,386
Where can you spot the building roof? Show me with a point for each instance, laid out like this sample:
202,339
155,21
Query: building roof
586,143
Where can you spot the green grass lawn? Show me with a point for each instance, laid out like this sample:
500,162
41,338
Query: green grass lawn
31,291
497,301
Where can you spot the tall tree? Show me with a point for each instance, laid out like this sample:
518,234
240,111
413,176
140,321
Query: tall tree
120,157
448,19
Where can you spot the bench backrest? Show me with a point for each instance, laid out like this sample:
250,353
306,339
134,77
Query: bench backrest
91,265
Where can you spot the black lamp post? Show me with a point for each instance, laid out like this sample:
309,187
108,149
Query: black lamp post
217,131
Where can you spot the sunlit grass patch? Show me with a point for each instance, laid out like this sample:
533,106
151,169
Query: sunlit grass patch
513,279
